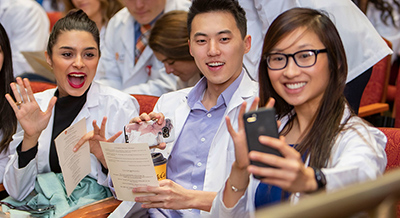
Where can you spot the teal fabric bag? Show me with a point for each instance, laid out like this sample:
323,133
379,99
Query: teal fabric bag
50,190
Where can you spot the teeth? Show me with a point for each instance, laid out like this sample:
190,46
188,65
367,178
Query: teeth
76,75
295,85
215,64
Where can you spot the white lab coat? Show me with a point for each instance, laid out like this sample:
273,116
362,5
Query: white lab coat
222,152
27,27
117,66
101,101
4,156
358,155
363,45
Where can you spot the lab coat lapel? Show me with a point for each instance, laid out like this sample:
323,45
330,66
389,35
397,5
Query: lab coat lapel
181,114
128,38
144,57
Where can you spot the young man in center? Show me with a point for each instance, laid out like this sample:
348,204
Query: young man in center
200,159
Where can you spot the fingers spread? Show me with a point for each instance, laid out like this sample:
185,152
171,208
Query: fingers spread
114,137
12,103
254,105
82,141
103,127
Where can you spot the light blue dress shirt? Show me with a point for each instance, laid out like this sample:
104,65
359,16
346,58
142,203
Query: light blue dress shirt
188,159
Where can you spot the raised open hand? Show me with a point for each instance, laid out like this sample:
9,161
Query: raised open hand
31,118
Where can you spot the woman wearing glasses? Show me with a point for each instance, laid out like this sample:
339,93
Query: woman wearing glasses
324,146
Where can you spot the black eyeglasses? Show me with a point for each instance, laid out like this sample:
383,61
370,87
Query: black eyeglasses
303,58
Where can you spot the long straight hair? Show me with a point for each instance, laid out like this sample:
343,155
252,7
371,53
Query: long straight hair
320,134
8,120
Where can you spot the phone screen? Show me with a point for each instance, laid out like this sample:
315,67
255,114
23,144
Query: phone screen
257,123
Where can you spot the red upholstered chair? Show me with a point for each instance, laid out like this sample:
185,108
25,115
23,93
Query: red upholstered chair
392,147
53,17
38,86
373,100
392,151
396,108
146,102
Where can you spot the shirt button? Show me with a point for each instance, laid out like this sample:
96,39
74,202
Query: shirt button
202,139
209,115
195,187
199,164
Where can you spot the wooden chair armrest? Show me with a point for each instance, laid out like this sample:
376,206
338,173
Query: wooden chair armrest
371,109
2,187
100,208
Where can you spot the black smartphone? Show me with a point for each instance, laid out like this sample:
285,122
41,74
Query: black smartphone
260,122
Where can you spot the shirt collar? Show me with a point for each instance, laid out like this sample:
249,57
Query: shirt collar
196,94
137,25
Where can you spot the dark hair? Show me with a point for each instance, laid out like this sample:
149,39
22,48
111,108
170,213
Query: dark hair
321,133
8,120
386,9
230,6
74,20
169,36
108,8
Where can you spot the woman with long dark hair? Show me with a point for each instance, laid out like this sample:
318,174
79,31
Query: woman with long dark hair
324,145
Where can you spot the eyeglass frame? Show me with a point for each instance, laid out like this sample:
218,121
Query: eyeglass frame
315,51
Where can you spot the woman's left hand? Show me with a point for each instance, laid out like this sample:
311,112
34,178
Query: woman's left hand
94,137
290,173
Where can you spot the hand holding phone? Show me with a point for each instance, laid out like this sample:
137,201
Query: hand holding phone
150,132
257,123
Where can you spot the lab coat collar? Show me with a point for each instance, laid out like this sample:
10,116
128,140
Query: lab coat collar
128,36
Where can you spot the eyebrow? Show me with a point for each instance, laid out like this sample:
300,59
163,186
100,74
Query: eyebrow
71,48
300,47
219,33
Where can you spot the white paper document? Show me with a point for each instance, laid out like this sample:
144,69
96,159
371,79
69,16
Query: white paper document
74,165
130,165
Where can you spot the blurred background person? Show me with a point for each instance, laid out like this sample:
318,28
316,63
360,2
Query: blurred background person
27,27
126,62
169,42
100,11
52,5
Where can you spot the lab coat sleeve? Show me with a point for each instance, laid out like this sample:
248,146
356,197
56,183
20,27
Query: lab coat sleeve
3,162
359,155
244,208
19,182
